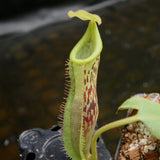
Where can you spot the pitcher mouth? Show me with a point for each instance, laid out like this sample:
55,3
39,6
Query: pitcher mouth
89,47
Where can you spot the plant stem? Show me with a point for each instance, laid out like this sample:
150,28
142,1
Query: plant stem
107,127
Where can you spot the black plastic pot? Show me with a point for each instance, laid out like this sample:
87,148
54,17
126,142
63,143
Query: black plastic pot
39,144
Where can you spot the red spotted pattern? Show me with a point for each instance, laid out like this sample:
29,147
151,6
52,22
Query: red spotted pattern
90,108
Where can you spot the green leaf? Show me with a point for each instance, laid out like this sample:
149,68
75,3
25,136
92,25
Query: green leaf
148,113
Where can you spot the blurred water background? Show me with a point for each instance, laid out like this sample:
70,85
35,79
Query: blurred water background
35,45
